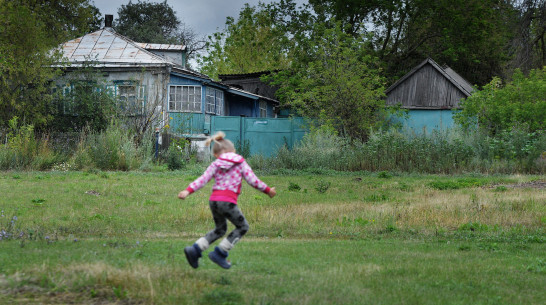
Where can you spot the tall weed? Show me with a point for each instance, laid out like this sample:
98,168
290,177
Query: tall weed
446,152
24,150
111,149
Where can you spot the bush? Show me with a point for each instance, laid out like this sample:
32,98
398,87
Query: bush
112,149
520,102
23,150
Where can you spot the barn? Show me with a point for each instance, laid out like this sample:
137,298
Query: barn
431,94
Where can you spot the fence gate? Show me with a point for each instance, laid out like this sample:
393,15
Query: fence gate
263,136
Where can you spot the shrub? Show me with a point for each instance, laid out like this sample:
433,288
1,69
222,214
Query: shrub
112,149
24,150
520,102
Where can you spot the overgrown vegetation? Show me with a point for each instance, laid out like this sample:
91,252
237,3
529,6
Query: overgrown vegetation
518,104
447,152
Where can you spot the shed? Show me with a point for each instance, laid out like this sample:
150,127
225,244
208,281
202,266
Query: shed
431,94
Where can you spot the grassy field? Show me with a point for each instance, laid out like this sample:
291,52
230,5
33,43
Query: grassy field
327,238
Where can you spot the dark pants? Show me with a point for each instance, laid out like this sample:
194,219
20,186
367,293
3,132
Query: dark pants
222,211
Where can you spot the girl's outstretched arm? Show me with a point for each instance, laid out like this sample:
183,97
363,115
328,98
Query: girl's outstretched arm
201,181
254,181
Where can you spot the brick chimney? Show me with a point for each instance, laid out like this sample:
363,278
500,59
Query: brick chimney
108,21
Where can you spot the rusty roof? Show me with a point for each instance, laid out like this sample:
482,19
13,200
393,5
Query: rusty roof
161,46
106,47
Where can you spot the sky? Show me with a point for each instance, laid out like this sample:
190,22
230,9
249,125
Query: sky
203,16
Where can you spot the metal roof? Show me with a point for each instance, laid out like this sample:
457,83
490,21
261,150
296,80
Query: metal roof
161,47
106,47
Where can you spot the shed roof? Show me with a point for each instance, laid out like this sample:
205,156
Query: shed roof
457,80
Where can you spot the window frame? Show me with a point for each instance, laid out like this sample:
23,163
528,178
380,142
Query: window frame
264,109
191,106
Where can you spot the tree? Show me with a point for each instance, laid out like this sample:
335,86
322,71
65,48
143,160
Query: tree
156,23
353,14
24,62
29,30
147,22
471,36
83,101
64,19
341,86
528,46
519,103
261,39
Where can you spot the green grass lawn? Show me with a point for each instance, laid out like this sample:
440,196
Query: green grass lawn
360,238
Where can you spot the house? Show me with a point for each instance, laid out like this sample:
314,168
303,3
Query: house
431,94
154,78
251,82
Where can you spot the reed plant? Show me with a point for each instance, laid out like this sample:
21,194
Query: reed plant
443,152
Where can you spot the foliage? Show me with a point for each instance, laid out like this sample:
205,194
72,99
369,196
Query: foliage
391,151
64,19
28,32
24,150
520,103
111,149
176,156
151,22
528,46
24,59
147,21
341,84
261,33
83,100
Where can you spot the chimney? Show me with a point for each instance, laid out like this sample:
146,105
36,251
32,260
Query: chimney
108,21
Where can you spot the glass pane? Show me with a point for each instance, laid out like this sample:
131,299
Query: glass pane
178,94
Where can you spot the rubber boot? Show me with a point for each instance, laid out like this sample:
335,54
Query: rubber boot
219,257
193,253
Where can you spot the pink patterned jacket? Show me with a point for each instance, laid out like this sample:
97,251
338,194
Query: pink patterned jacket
228,171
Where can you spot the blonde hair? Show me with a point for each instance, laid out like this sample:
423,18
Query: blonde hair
221,144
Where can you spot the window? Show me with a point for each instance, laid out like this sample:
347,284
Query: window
210,100
214,101
131,97
219,102
185,98
263,109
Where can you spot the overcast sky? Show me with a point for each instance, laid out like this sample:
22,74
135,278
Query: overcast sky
203,16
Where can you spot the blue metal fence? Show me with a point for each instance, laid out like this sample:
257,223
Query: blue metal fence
262,136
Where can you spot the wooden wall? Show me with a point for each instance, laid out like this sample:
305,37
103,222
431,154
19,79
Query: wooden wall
427,88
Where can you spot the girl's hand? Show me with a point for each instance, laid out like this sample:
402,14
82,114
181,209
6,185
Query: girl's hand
272,192
182,195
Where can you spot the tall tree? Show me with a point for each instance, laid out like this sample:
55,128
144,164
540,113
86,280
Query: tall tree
339,83
156,23
528,47
353,14
64,19
147,22
469,35
260,39
29,32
